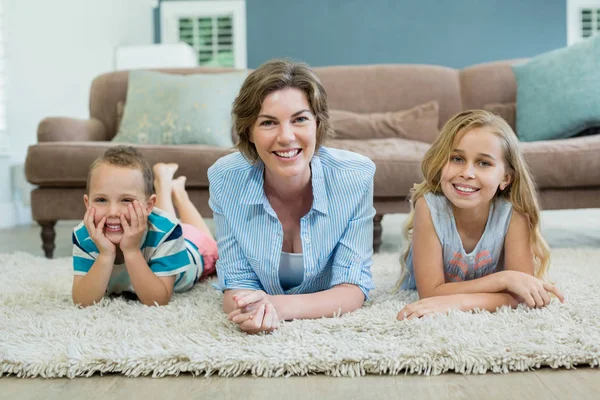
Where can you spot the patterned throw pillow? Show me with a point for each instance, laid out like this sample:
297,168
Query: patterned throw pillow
179,109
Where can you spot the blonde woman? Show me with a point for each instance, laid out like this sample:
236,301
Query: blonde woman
473,233
294,219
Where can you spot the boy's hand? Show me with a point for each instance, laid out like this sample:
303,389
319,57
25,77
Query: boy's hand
96,233
133,233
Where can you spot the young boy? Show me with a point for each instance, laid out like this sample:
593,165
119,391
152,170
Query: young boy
126,244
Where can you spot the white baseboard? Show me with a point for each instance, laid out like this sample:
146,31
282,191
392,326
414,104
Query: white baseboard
8,215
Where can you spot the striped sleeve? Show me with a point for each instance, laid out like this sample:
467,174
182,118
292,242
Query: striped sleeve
353,257
84,250
233,269
170,256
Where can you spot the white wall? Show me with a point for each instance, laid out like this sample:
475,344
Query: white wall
54,49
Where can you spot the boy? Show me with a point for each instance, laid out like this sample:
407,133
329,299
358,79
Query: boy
126,244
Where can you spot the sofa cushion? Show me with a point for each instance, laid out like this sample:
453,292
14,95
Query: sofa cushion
75,158
174,109
418,123
558,92
564,163
398,162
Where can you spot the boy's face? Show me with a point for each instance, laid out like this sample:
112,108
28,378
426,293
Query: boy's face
111,189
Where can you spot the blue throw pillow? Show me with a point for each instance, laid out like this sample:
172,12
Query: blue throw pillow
558,93
179,109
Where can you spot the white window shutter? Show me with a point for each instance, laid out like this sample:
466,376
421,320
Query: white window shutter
590,22
583,20
215,29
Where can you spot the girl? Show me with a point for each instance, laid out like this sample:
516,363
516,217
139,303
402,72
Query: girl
473,233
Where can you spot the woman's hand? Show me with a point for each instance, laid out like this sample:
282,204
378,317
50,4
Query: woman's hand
431,305
133,232
255,312
105,246
533,291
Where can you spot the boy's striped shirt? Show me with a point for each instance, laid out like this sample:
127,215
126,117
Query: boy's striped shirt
163,247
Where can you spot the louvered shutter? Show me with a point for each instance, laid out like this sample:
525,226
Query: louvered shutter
216,30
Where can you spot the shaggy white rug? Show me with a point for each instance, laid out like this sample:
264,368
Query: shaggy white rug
43,334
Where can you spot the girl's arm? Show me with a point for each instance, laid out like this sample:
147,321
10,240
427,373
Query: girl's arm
463,302
517,279
338,300
90,288
517,248
149,288
429,264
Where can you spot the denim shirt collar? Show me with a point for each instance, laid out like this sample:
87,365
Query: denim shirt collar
254,192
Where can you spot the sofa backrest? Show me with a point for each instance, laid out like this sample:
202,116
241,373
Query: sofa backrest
488,83
359,88
391,87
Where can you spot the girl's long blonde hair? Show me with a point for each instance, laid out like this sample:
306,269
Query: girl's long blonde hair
521,192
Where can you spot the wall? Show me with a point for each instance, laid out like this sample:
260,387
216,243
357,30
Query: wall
454,33
54,50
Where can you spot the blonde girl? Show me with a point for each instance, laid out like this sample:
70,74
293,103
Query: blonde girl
473,233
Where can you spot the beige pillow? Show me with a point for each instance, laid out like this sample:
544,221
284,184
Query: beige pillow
418,123
507,111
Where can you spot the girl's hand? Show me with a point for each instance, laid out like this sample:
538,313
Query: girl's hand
105,246
430,306
533,291
133,233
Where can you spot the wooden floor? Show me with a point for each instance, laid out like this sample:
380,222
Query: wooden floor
541,384
575,228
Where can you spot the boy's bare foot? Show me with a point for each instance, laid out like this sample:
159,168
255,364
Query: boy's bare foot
164,172
178,188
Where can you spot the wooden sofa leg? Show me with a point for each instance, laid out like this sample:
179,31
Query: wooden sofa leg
48,236
377,230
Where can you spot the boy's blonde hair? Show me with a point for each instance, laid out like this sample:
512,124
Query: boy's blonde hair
124,156
270,77
521,191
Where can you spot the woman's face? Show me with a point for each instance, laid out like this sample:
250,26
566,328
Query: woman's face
285,134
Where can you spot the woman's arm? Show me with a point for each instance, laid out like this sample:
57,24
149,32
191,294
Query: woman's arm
233,269
338,300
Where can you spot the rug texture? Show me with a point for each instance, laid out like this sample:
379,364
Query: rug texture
42,334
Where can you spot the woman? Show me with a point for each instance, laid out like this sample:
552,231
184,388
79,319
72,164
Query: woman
294,220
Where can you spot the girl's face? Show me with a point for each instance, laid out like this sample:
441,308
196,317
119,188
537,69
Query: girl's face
475,170
112,188
285,134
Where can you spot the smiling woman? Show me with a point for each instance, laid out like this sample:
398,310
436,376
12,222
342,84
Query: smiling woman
294,219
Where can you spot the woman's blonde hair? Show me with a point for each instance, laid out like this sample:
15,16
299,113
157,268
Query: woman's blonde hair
521,191
270,77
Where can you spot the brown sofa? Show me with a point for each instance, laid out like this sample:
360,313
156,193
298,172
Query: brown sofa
566,171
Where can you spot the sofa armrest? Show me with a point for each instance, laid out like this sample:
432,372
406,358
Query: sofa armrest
62,129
